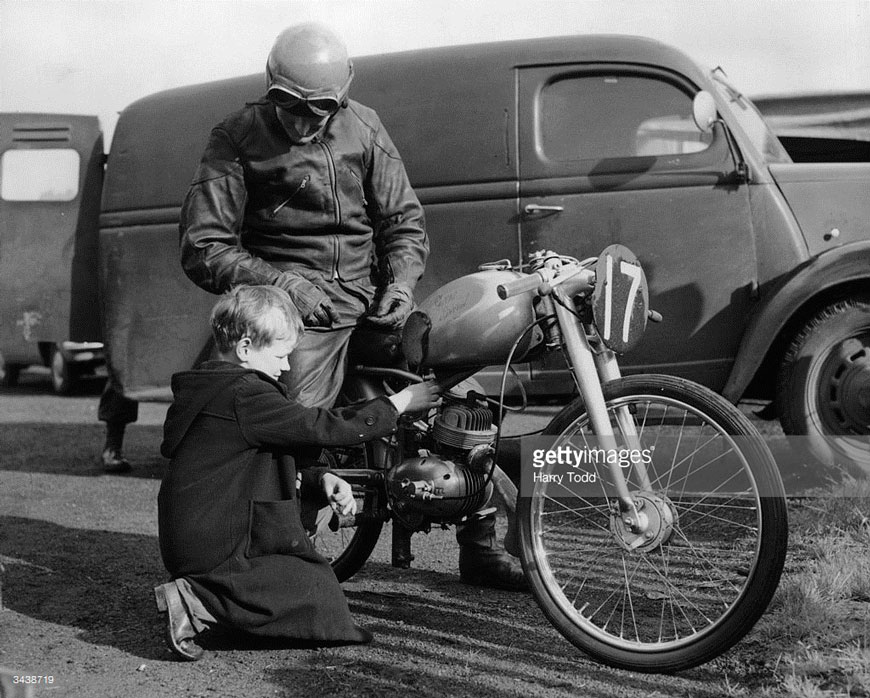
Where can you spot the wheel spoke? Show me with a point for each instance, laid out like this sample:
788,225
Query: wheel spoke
677,577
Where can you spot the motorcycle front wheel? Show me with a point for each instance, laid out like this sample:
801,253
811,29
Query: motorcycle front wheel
692,580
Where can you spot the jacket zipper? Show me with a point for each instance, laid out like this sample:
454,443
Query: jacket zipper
330,162
302,185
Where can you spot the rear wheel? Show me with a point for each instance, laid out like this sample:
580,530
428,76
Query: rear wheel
689,585
348,548
347,544
823,387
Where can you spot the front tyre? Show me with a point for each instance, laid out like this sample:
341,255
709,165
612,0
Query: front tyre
823,387
694,582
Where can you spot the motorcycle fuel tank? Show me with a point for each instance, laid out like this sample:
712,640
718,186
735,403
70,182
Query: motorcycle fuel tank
465,323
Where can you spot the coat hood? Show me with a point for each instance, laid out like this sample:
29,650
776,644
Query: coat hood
193,390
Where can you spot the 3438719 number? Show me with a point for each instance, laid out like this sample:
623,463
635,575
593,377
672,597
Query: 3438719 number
33,679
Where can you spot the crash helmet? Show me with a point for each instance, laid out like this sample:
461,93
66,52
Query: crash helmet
308,66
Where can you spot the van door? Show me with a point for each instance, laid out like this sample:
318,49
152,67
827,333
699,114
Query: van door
609,154
50,184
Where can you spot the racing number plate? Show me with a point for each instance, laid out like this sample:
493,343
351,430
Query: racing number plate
620,300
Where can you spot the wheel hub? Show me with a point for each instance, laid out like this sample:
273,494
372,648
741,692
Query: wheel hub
655,524
847,381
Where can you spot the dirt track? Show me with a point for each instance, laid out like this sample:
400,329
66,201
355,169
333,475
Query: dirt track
80,554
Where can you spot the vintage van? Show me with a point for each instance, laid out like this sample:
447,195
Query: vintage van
760,265
568,144
51,175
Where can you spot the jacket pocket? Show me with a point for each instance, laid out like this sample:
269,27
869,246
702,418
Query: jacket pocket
274,528
299,187
359,185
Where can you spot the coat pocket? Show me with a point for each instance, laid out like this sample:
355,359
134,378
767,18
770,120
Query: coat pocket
274,528
303,184
359,186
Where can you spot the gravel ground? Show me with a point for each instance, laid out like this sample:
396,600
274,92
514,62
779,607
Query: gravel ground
80,557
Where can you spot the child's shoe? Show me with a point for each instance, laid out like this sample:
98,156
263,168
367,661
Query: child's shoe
179,631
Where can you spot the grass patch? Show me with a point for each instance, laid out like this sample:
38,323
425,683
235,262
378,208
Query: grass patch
814,639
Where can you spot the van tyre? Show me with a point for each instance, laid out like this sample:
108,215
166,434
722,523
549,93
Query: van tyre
10,374
64,377
823,387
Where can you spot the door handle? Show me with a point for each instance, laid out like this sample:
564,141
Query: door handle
536,208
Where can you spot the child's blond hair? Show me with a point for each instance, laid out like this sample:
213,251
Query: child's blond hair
261,313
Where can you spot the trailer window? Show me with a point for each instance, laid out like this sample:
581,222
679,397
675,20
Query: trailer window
45,174
616,116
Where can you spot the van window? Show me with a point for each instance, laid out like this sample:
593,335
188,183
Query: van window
594,116
45,174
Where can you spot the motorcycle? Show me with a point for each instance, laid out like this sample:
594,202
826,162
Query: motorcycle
651,520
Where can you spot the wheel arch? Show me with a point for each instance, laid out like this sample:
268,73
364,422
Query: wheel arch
824,279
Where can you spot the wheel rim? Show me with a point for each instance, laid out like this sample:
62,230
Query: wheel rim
656,597
843,395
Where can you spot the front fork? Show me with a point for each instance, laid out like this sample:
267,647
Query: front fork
591,370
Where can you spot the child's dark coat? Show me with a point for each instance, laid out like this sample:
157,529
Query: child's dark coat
228,512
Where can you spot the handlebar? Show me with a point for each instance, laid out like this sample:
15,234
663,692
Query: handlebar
579,278
612,287
524,284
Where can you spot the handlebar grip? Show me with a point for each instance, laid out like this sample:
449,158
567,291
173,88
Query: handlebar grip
522,285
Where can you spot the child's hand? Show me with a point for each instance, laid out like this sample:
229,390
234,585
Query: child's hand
417,397
339,494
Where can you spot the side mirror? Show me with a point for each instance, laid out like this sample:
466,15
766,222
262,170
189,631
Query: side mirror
704,111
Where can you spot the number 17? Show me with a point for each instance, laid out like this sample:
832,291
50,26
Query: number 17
633,271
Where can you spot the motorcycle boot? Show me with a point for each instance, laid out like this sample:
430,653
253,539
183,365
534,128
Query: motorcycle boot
112,457
482,561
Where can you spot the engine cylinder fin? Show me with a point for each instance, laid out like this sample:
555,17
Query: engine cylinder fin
463,426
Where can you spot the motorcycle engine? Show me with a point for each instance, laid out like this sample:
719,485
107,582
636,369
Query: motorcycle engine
450,480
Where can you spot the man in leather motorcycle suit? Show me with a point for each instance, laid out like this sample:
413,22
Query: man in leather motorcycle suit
305,190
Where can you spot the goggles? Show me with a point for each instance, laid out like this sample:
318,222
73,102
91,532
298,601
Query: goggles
303,106
301,102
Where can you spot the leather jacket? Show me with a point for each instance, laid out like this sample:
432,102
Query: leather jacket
262,210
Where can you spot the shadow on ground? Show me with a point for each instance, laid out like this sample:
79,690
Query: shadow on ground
98,582
74,449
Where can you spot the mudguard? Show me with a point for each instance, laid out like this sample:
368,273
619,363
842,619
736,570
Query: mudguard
841,265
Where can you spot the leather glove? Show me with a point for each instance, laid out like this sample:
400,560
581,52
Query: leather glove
394,305
314,305
323,315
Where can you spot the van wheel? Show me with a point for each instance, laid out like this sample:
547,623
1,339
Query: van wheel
823,387
64,377
10,373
